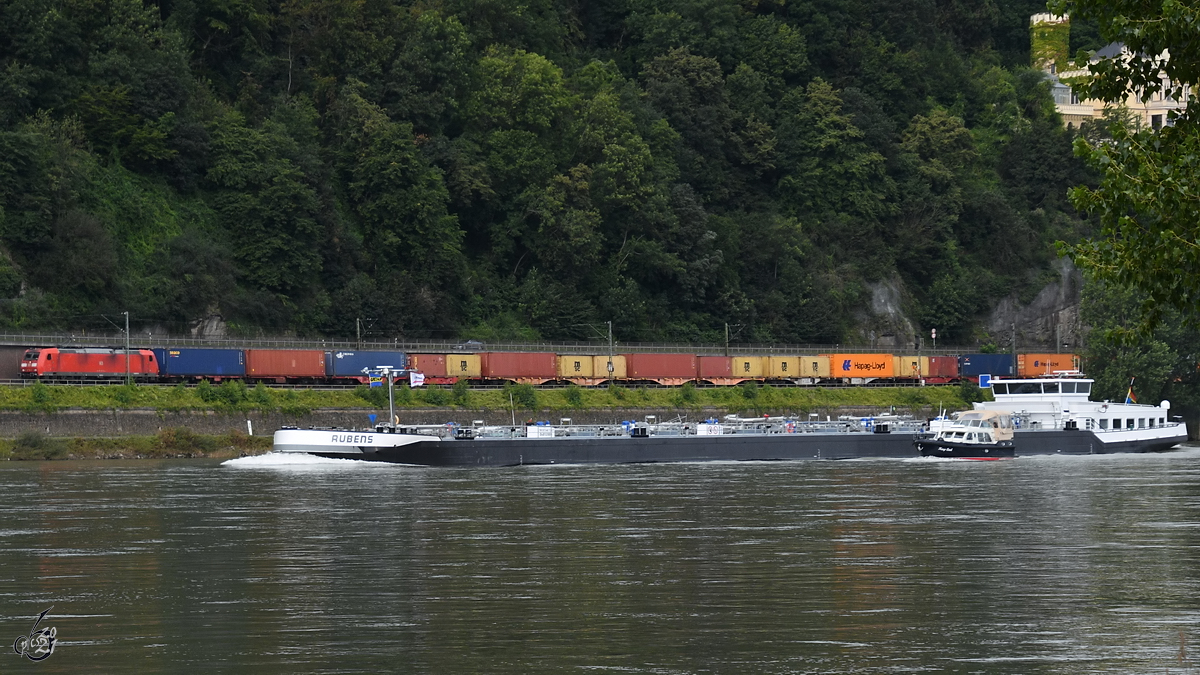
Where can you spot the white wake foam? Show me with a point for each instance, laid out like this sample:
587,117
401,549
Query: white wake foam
298,460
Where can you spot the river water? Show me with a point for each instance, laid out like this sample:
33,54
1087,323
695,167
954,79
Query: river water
289,565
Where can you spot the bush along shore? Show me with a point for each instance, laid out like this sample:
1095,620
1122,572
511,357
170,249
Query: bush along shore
234,396
171,443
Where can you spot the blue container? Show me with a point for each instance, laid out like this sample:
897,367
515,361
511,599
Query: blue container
974,365
201,362
353,363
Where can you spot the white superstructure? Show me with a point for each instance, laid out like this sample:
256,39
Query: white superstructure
1062,401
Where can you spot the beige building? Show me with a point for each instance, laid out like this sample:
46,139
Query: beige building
1050,44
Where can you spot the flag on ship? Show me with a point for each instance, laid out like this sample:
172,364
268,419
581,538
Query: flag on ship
1129,397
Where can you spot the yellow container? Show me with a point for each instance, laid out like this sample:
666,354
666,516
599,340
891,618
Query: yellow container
814,366
600,367
574,365
463,365
784,366
749,366
911,367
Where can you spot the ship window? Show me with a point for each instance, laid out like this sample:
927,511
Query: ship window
1129,423
1083,387
999,388
1024,387
1050,387
1141,422
986,438
1103,423
1151,422
1162,421
1068,387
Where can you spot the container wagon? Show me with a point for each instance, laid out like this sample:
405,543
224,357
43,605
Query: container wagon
519,367
667,369
281,366
353,366
187,364
974,365
1041,365
10,362
862,368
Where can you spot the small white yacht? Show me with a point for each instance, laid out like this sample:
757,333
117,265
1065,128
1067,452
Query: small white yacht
976,434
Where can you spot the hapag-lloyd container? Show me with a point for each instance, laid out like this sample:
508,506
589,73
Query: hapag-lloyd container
1041,365
861,365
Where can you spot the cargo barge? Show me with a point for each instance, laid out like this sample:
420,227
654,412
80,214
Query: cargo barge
743,440
1051,416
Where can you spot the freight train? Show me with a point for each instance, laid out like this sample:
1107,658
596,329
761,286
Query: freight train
316,367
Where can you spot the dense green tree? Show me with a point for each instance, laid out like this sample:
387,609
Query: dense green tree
1146,200
523,169
266,203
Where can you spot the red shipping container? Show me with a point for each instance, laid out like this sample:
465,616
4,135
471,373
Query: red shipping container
644,366
716,366
282,363
519,365
944,367
428,364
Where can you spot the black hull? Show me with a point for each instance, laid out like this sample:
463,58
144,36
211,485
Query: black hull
614,450
729,447
1063,442
929,447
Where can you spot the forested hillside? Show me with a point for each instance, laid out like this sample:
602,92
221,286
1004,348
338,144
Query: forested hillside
524,168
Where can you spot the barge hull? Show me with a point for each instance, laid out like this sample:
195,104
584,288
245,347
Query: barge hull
574,450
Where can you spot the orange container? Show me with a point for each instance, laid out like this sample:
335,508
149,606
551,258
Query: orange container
862,365
1040,365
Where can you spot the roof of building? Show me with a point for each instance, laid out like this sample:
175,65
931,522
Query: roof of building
1109,51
